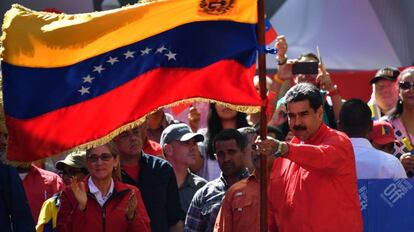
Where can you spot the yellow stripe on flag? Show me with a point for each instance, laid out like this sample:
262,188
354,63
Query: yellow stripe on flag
42,39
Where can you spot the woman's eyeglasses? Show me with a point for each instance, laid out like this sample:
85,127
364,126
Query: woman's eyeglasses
404,85
95,158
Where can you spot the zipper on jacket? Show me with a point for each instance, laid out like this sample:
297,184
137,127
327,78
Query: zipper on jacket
103,218
103,208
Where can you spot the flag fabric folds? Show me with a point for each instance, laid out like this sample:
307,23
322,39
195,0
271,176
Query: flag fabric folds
270,32
75,81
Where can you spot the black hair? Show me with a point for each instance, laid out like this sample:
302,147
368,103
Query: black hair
308,55
304,91
355,118
398,109
214,126
229,134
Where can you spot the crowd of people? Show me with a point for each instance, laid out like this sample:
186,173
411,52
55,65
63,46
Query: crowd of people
170,175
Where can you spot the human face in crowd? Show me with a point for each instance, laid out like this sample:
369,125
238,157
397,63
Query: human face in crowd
155,119
225,113
69,173
388,148
309,78
101,162
304,121
129,142
386,94
183,152
407,93
229,157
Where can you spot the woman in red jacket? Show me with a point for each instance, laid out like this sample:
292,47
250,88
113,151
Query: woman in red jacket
101,202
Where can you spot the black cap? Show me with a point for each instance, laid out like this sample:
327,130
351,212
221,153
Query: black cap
387,73
179,132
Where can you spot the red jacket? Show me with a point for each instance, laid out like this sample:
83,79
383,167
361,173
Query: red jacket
315,187
110,217
39,186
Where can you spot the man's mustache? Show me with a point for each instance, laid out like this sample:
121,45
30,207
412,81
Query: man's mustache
299,127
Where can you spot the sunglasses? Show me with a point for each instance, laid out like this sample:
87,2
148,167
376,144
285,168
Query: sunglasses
70,172
404,85
95,158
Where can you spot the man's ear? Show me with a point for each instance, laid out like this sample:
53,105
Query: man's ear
168,149
319,112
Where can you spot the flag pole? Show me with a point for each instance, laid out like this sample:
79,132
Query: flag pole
263,119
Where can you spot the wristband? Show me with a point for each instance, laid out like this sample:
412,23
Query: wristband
277,79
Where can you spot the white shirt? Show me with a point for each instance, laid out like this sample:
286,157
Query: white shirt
372,163
98,195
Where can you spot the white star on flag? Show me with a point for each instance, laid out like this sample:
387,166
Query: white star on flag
129,54
88,78
161,49
84,90
170,55
145,51
112,60
98,69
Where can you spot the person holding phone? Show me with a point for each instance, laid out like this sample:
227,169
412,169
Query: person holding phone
308,68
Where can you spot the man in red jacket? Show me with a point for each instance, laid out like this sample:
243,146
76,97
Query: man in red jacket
313,185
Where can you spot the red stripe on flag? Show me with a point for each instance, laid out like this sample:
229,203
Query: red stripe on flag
63,129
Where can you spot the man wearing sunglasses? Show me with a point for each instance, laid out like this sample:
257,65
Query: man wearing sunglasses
384,92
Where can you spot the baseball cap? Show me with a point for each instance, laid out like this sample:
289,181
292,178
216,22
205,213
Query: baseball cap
387,73
179,132
76,159
382,133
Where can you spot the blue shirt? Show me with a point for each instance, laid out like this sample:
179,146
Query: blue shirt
189,188
205,205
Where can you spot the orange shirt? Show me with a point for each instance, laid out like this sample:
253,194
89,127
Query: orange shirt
240,210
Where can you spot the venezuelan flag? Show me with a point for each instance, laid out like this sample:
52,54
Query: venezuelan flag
75,81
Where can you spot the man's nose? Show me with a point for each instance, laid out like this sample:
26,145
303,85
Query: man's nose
227,157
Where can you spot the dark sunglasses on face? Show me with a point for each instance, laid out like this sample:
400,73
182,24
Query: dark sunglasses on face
404,85
95,158
71,172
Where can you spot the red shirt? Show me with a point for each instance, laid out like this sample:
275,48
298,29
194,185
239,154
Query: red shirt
315,187
132,171
40,185
153,148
